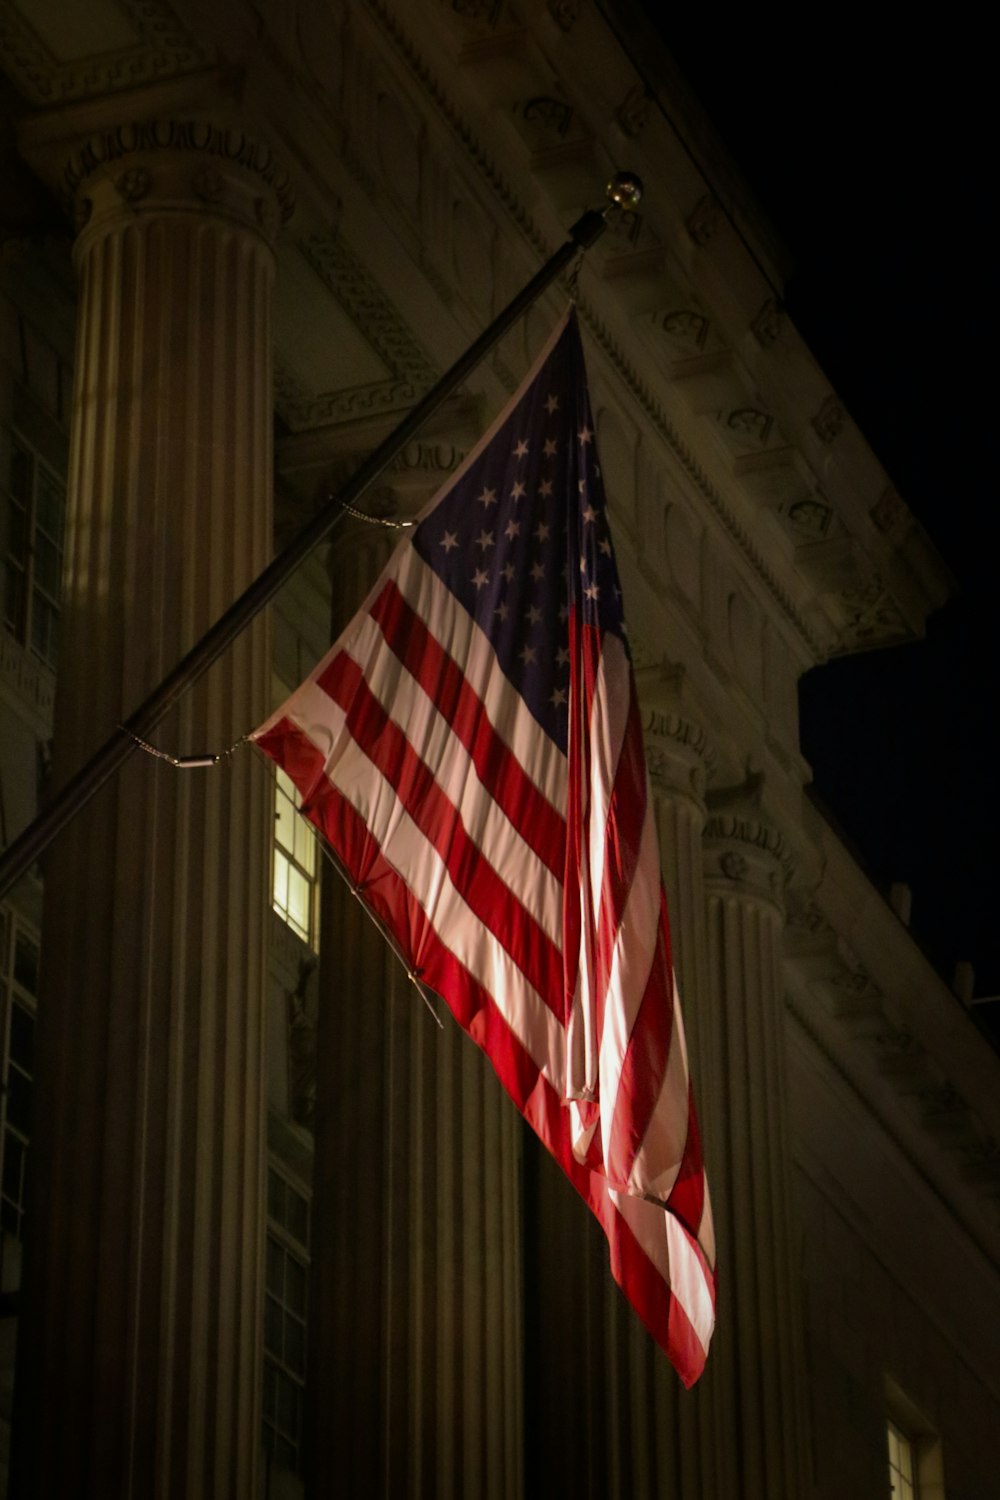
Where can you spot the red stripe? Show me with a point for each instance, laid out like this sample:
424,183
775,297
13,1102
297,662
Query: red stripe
499,770
390,900
439,820
687,1197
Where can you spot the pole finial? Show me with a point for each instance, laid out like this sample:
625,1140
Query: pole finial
625,191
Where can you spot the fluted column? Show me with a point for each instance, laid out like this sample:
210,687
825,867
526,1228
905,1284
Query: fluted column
415,1359
757,1354
140,1342
641,1432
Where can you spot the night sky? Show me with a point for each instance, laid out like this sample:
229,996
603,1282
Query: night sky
870,156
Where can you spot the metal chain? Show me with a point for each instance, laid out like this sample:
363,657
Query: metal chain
184,762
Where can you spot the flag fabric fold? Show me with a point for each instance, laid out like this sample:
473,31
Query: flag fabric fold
471,749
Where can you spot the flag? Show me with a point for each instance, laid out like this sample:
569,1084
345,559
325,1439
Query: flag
471,748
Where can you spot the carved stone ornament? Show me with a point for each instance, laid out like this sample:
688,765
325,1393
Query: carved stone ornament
661,724
686,327
829,420
751,422
565,12
766,326
633,112
214,148
890,513
871,616
554,116
734,866
703,220
133,184
742,846
810,518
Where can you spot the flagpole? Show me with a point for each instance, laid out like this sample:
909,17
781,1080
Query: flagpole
624,191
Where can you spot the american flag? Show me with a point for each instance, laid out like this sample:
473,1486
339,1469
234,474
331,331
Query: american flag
471,749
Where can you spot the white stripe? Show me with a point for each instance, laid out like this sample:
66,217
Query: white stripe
658,1159
608,721
430,736
665,1241
635,952
424,872
605,734
469,646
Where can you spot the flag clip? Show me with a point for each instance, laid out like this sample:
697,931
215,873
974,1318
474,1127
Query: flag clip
182,762
361,515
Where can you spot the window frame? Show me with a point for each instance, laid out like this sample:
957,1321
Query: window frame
35,591
277,1437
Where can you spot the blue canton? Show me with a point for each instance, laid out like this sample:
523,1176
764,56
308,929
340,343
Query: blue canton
523,537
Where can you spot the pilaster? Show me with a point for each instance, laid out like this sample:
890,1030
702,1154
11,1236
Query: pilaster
139,1347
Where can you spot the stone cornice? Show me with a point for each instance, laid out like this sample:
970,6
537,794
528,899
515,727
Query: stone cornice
645,398
484,160
910,1143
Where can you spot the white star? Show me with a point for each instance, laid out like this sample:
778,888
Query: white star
537,572
502,611
605,547
517,493
521,450
558,698
449,540
545,488
512,530
562,657
485,539
552,404
585,434
550,448
480,578
582,485
508,572
487,498
583,565
528,656
592,591
589,513
542,531
534,615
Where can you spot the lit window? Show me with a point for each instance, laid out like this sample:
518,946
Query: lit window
285,1320
902,1466
294,887
34,504
18,991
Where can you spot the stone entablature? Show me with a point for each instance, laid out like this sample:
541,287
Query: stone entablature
865,994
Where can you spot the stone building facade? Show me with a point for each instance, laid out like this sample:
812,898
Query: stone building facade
281,1228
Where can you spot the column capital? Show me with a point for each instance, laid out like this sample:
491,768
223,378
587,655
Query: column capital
745,852
177,147
680,756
